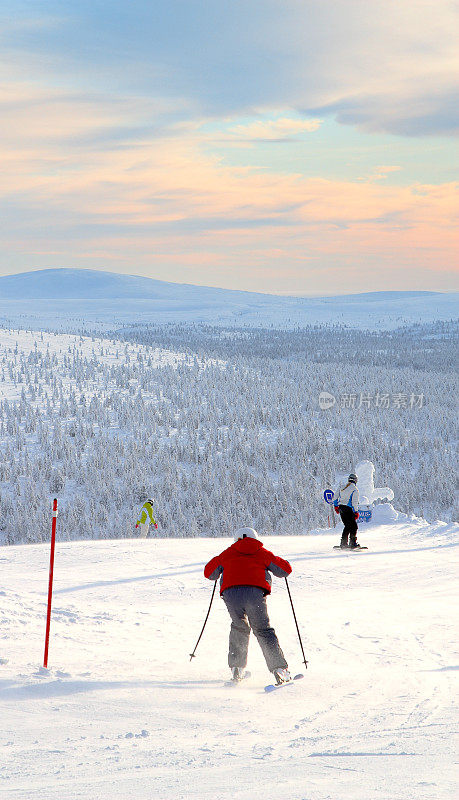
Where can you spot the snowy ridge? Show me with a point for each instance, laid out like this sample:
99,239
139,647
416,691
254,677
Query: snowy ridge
76,300
123,712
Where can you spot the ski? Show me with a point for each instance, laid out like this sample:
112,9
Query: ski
272,686
246,675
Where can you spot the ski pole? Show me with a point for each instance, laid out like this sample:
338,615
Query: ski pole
192,655
296,623
50,583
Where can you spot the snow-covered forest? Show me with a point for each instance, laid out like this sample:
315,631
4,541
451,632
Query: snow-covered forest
222,428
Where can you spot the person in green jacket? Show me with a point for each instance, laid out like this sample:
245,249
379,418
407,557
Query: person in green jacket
146,519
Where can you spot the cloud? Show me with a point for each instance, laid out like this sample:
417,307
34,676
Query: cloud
280,129
379,66
414,110
134,135
380,173
168,205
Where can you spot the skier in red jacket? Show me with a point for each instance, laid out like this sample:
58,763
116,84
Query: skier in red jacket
244,583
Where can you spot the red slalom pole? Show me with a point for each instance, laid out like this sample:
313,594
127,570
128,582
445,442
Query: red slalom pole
50,585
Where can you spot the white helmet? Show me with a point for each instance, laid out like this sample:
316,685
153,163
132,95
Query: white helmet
245,533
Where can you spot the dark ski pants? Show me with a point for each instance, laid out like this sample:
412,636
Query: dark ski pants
248,611
350,526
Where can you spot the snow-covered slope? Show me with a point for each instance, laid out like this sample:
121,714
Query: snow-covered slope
104,423
102,300
123,713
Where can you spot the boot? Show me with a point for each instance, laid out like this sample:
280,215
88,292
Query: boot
282,675
354,545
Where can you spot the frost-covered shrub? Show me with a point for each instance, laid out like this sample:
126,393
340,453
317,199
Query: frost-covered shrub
57,483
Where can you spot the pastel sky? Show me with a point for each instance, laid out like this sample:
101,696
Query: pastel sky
288,146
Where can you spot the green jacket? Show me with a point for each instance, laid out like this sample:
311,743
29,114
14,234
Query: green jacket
146,514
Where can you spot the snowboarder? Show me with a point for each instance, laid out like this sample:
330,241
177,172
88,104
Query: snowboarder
146,518
346,504
244,584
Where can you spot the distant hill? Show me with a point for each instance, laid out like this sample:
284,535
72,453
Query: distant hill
86,284
377,297
89,284
104,300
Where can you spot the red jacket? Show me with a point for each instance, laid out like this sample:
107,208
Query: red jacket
246,563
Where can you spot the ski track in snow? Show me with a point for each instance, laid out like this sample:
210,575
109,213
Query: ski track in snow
122,711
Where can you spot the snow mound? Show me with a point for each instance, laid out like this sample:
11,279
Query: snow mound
365,471
385,514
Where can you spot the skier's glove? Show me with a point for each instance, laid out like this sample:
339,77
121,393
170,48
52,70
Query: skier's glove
356,515
156,525
137,524
337,509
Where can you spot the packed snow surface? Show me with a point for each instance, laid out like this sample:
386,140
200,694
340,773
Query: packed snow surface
122,712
